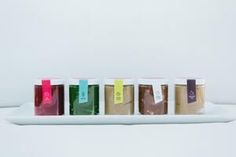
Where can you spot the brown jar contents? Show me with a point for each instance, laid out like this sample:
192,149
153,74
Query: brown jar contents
147,104
125,108
181,102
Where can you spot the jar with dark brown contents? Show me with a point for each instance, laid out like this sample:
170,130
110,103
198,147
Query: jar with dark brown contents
189,96
49,97
119,97
153,96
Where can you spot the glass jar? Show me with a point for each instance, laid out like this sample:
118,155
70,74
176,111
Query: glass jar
49,97
84,96
119,96
153,96
189,96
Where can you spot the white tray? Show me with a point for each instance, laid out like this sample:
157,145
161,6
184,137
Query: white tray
25,116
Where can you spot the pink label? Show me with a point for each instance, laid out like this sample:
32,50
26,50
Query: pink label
46,89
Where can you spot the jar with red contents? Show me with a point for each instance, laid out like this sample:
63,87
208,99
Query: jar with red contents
49,97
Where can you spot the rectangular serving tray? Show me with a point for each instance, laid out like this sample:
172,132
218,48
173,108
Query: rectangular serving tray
24,115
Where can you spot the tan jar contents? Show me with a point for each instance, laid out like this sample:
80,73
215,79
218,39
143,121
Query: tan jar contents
153,96
189,96
119,97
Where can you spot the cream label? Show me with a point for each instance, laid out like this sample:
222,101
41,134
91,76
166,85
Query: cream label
191,91
83,91
118,91
46,91
157,93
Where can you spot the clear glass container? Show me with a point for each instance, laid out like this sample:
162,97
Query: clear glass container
89,106
49,97
153,96
119,97
189,96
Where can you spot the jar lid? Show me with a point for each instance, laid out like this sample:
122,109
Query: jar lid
91,81
126,81
150,81
183,81
54,81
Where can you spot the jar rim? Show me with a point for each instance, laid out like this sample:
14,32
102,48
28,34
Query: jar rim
151,81
126,81
183,81
53,81
91,81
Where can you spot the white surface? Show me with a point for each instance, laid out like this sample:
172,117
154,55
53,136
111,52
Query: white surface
123,38
213,114
178,140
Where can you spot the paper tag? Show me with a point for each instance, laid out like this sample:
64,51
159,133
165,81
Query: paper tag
118,92
46,91
83,91
157,93
191,91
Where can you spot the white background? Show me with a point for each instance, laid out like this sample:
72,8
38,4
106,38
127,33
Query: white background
108,38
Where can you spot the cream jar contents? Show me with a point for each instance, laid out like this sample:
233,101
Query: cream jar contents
189,96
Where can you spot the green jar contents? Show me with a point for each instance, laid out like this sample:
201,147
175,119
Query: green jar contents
84,96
